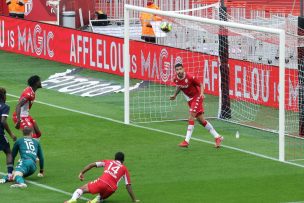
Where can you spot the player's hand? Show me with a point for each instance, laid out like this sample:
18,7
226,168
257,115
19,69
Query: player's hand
14,137
81,176
17,126
2,181
40,175
172,97
203,95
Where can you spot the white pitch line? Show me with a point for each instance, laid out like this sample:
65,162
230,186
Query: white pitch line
165,132
11,101
49,188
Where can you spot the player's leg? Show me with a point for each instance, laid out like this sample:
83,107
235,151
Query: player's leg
9,162
193,107
207,125
18,177
105,191
23,169
189,132
78,193
97,199
37,132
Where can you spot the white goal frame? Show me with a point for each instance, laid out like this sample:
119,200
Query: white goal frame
281,33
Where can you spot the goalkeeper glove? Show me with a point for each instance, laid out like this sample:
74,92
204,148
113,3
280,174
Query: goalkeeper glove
41,173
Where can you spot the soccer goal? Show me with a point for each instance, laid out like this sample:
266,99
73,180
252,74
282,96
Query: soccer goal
241,88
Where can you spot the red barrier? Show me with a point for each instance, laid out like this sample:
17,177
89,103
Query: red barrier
3,8
256,83
37,10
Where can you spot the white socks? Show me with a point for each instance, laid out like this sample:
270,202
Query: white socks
210,128
77,194
189,130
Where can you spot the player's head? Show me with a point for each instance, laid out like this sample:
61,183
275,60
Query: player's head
34,81
179,69
2,94
150,2
120,157
27,131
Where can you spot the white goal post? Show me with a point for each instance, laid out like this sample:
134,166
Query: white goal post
128,9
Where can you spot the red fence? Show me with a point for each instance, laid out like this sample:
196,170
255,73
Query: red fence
252,82
3,8
37,10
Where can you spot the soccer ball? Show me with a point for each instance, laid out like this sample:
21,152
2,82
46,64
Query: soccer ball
166,27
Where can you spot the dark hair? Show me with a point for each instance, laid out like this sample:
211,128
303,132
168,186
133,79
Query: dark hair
178,65
120,156
33,80
2,94
27,130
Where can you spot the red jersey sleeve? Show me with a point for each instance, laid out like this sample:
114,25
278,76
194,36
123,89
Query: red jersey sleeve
100,163
127,177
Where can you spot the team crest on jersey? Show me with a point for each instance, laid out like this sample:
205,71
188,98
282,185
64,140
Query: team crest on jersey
28,7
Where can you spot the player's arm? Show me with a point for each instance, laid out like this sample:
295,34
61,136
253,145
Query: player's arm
4,123
15,150
202,90
128,186
89,167
131,193
41,161
18,111
196,82
177,91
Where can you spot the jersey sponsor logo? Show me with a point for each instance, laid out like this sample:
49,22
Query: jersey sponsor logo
183,86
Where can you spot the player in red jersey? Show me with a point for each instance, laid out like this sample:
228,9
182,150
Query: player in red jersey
106,184
21,116
194,93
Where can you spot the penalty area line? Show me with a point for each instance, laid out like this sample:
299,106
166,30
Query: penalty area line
50,188
164,132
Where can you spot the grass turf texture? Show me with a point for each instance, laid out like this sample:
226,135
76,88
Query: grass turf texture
160,171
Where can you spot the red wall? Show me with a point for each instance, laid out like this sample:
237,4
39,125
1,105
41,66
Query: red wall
3,8
74,5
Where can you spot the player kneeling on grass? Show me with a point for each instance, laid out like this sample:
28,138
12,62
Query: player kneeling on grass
193,90
106,184
29,149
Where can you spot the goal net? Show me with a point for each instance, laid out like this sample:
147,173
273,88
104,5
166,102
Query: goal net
242,68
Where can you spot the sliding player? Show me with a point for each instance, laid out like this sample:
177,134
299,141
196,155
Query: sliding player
194,93
106,184
22,116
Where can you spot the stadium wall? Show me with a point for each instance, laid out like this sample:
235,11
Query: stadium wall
3,8
75,5
38,10
248,81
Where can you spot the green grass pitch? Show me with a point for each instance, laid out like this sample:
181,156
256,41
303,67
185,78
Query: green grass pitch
160,171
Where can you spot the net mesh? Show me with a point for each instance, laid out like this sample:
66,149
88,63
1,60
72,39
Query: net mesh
249,61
